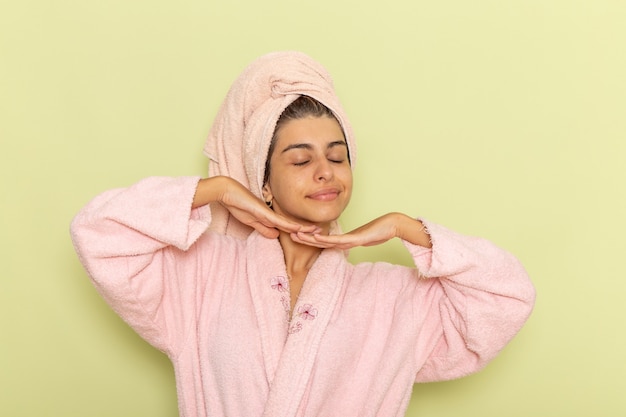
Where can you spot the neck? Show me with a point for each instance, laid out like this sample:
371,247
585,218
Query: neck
298,258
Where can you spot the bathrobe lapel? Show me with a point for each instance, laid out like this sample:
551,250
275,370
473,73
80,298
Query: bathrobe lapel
290,346
268,282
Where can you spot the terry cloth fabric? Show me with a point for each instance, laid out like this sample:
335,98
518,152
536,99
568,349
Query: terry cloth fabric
357,339
240,137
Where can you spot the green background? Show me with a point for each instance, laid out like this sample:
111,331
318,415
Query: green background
505,119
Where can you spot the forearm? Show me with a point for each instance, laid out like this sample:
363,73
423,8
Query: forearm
411,230
140,219
485,296
136,244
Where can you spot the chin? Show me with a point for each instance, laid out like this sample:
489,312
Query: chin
323,221
319,216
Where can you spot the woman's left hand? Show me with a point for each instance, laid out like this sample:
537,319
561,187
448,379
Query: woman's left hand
376,232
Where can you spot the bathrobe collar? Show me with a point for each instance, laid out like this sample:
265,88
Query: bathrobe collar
290,346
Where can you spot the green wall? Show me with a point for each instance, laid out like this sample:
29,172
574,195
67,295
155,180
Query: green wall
505,119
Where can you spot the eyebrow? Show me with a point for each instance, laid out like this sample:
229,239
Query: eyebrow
308,146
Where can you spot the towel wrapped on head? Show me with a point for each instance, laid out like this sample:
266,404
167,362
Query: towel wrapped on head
241,134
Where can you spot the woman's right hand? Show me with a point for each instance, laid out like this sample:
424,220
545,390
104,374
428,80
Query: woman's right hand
245,206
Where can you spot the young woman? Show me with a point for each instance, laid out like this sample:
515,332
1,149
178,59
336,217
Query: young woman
242,279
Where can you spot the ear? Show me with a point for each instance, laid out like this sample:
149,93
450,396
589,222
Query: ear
267,192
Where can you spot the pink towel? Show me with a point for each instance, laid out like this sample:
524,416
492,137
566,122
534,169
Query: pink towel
239,140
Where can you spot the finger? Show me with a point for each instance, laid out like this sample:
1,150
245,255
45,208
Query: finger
332,239
277,221
343,241
307,239
268,232
349,240
316,240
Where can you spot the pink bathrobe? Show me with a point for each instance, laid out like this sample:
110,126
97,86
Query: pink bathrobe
360,335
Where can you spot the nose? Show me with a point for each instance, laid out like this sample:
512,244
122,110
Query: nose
324,170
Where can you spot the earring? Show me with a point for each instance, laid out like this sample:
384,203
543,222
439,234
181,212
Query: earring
269,203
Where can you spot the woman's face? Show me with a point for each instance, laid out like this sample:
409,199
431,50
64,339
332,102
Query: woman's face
310,177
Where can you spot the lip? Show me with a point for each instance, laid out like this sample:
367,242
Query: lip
326,194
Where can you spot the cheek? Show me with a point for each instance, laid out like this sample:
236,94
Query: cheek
347,179
283,186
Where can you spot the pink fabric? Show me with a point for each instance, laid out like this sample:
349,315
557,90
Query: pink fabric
360,336
243,128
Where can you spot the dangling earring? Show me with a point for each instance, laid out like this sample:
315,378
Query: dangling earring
269,203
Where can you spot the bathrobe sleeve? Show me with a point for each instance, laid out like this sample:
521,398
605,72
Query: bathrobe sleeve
479,297
136,245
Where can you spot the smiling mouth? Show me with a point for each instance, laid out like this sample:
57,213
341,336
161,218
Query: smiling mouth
324,195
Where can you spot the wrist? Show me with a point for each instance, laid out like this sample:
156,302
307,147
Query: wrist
209,190
412,230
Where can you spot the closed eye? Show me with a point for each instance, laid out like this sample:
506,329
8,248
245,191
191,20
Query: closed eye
299,164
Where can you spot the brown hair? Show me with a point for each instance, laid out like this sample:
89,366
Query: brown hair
302,107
